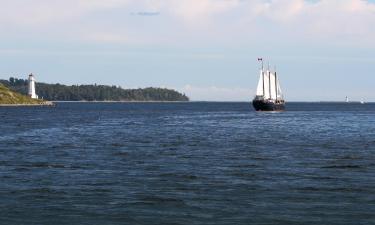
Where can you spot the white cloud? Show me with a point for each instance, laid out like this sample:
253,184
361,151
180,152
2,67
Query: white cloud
344,18
35,13
280,10
232,22
198,12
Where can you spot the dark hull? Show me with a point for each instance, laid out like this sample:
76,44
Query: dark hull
261,105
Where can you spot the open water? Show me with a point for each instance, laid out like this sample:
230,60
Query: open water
187,163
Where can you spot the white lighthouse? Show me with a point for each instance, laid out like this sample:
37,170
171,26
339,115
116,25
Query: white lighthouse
32,93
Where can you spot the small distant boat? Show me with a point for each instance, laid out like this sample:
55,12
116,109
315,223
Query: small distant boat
346,99
269,95
362,102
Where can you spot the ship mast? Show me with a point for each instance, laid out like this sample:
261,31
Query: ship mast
261,59
264,93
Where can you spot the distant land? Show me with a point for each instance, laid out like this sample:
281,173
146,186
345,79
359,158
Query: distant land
9,97
59,92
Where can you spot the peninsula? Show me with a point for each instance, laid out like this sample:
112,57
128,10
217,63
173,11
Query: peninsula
59,92
11,98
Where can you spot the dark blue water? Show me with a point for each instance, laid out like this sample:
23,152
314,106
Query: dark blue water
187,163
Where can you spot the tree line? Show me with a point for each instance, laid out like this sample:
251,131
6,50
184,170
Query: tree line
59,92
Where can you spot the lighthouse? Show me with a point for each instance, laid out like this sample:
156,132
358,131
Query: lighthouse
32,93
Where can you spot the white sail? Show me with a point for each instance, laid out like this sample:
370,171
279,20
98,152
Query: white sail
273,85
278,88
260,84
269,86
279,92
266,85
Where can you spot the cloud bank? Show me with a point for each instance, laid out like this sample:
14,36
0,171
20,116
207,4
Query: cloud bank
227,22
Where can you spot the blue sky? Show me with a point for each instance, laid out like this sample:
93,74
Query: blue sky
323,49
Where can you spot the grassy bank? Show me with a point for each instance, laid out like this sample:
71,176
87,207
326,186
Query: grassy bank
8,97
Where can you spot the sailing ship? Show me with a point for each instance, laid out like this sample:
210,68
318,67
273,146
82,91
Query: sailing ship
269,96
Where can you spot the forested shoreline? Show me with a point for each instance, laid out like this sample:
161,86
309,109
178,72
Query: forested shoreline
60,92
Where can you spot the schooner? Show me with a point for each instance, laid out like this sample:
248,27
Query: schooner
269,96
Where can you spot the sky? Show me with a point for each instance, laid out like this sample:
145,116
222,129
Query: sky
323,50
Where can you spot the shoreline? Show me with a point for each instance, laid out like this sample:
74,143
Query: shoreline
49,103
201,101
121,101
54,103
